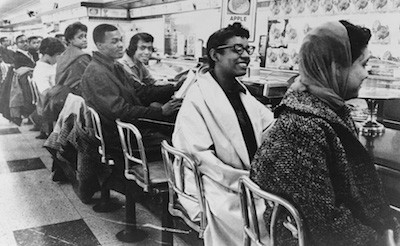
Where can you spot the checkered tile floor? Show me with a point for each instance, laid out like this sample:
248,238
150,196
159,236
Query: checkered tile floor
35,211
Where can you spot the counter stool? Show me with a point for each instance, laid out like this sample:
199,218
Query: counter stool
149,176
176,163
105,204
248,191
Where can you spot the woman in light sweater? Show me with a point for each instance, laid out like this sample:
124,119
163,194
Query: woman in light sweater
44,77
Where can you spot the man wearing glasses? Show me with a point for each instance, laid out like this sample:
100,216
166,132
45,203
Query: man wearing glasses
137,55
221,125
22,58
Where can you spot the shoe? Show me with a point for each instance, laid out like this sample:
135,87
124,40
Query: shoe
59,176
42,135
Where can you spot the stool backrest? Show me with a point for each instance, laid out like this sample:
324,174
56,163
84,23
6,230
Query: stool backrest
176,163
98,133
248,193
127,132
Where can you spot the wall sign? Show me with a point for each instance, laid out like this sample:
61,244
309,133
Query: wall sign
243,11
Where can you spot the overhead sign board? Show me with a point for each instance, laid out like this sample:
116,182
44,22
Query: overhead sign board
243,11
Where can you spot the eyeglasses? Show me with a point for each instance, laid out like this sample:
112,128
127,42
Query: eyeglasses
238,48
22,41
149,48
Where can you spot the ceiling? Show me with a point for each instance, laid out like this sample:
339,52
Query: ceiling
7,6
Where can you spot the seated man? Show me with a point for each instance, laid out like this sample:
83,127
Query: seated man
137,55
113,94
221,125
73,62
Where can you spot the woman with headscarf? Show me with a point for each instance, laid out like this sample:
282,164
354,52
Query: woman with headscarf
312,156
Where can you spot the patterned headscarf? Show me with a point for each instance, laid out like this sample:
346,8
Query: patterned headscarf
325,59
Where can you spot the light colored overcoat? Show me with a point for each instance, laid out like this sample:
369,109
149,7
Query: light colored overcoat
208,129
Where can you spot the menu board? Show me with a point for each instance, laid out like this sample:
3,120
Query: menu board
290,20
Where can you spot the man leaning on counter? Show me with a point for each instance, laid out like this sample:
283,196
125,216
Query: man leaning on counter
109,90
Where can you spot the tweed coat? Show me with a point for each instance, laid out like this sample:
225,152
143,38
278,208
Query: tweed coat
312,157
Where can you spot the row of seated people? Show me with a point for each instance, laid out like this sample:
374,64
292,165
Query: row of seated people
16,68
106,88
311,155
222,127
26,75
36,59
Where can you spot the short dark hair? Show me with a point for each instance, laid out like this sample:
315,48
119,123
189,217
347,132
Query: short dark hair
220,37
18,37
359,38
100,30
51,46
32,38
145,37
73,29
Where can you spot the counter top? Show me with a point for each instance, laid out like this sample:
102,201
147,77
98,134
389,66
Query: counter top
386,152
385,148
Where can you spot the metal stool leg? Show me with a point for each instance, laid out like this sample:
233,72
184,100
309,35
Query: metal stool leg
131,233
167,237
106,204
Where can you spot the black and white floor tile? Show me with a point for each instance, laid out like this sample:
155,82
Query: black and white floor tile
35,211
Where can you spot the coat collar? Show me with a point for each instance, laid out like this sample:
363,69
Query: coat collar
24,52
223,113
127,60
306,103
236,88
104,60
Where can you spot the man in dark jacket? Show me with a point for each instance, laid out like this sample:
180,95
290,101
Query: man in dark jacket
7,54
113,94
22,58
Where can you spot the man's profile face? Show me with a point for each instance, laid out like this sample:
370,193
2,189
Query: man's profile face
22,43
34,44
112,46
143,51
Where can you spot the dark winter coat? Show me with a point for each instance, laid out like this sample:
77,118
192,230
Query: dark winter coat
70,68
108,89
312,157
